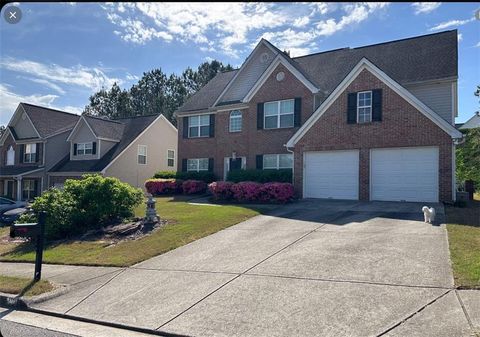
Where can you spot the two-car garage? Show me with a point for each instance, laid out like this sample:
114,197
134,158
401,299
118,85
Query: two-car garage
396,174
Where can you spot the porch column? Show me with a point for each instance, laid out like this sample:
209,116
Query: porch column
19,188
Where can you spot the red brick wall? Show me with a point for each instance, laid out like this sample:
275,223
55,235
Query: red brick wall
250,141
4,149
401,126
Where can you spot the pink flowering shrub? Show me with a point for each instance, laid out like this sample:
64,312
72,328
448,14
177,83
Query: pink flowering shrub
249,191
194,186
221,190
279,192
163,186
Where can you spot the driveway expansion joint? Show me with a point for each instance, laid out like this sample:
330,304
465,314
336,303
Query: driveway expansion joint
467,316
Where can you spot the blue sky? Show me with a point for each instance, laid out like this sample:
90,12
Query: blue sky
60,53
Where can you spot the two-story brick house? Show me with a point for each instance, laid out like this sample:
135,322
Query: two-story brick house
367,123
43,147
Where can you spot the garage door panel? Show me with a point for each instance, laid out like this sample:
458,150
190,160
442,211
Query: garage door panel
409,174
331,174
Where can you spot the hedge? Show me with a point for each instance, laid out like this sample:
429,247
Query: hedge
205,176
250,191
261,176
174,186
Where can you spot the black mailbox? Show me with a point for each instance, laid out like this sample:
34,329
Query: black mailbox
24,230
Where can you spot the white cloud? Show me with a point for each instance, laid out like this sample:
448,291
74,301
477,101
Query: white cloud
47,84
10,101
477,45
208,58
460,37
425,7
294,41
130,77
451,23
92,78
301,21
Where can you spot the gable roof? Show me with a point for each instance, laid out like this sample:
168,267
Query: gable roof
49,121
472,123
404,93
105,128
132,127
416,59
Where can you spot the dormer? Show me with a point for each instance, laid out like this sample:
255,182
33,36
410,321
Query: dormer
92,137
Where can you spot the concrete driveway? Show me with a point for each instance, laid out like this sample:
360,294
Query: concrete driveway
314,268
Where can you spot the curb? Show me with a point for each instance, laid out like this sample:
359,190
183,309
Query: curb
12,302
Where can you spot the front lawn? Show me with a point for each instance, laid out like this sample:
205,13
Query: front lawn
186,223
463,225
23,286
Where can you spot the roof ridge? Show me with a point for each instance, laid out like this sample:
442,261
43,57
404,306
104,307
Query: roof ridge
47,108
150,115
103,119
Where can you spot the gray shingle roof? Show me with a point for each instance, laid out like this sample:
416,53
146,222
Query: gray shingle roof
10,171
472,123
49,121
409,60
132,127
105,128
206,96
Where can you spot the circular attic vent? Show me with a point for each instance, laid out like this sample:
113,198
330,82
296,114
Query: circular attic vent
280,76
264,58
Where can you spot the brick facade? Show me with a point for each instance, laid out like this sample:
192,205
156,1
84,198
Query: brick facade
250,141
401,126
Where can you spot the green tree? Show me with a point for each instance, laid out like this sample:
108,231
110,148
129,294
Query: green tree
114,103
468,157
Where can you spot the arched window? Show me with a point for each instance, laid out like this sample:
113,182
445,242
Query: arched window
10,156
235,121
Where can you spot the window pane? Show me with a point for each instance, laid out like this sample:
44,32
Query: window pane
142,159
235,124
286,161
286,106
286,121
142,150
192,165
171,154
204,131
205,120
270,109
193,121
193,131
270,122
270,161
203,164
170,162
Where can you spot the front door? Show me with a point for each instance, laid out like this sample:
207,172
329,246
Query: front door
9,191
235,164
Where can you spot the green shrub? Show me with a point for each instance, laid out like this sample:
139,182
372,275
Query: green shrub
205,176
165,175
89,203
261,176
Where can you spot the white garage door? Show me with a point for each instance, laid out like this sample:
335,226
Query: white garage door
331,174
404,174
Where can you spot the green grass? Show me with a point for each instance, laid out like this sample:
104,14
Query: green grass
23,286
187,223
463,225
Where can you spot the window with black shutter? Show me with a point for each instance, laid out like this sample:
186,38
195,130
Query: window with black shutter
260,116
352,108
377,105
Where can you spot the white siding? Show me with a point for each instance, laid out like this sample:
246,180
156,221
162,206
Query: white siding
437,96
249,75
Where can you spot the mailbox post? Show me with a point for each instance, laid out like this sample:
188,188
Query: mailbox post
33,230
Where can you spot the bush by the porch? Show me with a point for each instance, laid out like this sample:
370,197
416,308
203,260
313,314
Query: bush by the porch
205,176
249,191
194,186
261,176
164,186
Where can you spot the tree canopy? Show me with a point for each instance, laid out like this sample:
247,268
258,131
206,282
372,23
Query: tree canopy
156,92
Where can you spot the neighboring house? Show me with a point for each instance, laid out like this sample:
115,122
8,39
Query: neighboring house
367,123
43,147
131,149
34,141
472,123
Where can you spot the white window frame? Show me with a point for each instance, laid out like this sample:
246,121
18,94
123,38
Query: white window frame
278,114
31,155
235,115
199,126
171,158
197,161
277,166
84,147
31,188
141,154
364,106
10,160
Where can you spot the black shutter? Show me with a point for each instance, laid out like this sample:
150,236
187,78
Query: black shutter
210,164
38,152
377,105
36,191
75,149
184,165
22,153
259,160
352,108
185,127
212,125
298,112
260,116
94,148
